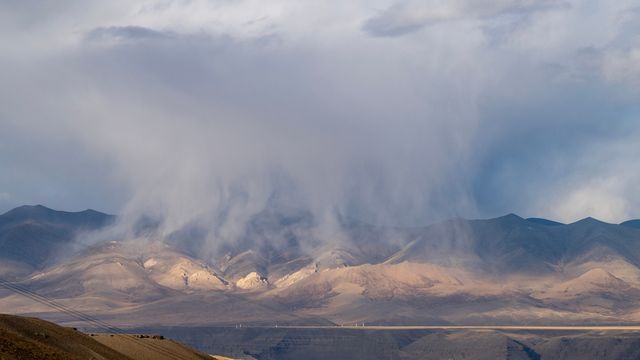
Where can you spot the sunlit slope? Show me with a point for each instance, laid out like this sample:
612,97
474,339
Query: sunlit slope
31,338
506,270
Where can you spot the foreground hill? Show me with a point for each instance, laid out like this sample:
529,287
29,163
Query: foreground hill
32,338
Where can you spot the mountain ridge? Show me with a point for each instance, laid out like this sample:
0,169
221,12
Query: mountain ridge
38,211
35,234
503,270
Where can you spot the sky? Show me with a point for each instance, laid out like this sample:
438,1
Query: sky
393,112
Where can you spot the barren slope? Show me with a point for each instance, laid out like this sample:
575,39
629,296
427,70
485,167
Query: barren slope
31,338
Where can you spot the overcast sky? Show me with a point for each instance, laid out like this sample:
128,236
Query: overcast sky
400,112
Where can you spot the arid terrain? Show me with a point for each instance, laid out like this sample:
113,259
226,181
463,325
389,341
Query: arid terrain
496,272
35,339
501,271
32,338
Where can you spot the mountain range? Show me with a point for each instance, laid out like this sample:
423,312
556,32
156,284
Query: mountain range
506,270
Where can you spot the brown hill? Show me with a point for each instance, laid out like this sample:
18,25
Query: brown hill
32,338
149,347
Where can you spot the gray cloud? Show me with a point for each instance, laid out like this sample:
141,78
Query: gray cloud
408,16
191,112
126,33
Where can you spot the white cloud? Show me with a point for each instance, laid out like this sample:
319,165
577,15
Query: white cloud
599,199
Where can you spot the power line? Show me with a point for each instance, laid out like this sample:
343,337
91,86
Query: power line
84,317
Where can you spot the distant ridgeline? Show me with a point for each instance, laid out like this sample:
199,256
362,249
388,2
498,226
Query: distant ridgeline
33,234
507,270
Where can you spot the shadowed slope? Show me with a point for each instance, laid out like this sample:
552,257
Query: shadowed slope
31,338
34,235
632,223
